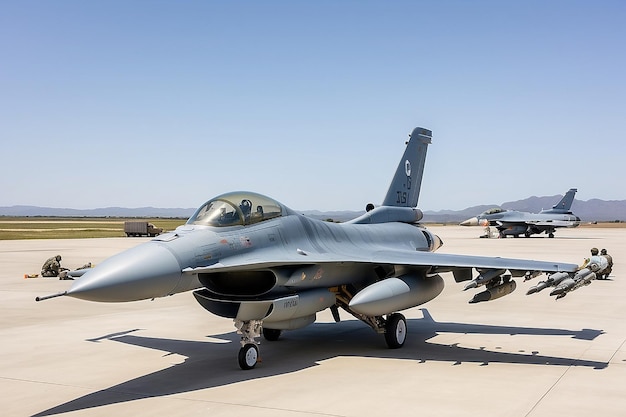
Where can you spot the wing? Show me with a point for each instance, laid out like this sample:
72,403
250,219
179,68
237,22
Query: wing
552,223
430,261
513,223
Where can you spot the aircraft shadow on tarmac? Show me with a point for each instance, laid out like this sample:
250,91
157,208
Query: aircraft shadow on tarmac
211,364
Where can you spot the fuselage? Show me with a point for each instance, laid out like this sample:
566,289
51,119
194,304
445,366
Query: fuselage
166,265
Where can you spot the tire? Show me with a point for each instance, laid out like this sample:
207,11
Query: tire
395,331
271,335
248,356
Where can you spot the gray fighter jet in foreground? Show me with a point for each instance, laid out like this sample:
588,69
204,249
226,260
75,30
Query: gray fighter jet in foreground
515,223
249,258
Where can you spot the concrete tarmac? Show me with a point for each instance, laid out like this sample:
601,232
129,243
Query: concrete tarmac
516,356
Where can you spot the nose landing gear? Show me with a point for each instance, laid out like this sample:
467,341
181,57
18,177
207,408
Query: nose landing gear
249,352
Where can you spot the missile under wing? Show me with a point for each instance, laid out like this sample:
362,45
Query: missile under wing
251,259
516,223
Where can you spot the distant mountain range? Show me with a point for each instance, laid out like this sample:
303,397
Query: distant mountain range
588,211
34,211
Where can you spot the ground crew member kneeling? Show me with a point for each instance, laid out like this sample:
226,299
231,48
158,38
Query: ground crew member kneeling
609,269
52,267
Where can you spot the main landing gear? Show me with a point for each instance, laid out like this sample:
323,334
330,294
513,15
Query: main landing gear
393,327
395,331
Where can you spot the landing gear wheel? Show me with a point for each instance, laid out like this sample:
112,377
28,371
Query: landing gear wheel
551,235
395,331
248,356
271,334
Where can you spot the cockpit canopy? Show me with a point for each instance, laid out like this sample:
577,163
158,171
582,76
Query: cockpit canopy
236,208
494,210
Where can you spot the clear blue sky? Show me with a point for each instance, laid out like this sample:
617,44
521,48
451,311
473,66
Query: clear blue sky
169,103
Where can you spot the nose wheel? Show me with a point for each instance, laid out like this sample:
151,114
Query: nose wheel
249,352
248,356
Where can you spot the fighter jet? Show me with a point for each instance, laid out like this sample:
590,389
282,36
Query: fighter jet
251,259
516,223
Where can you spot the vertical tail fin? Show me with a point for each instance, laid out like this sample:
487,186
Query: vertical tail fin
404,190
565,204
566,201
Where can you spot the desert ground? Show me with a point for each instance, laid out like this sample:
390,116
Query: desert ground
516,356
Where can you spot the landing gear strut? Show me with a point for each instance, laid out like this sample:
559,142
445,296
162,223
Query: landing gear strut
393,327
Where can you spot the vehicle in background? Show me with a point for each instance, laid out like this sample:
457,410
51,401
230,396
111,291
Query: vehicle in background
141,228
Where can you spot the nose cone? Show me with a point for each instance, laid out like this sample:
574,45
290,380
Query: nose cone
146,271
470,222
